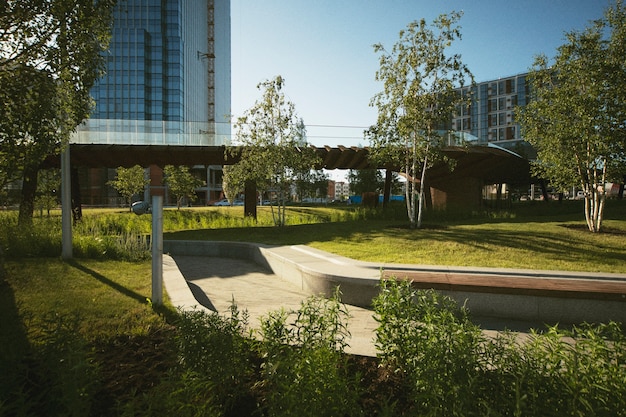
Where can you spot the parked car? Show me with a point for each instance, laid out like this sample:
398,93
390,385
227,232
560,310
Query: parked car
238,203
223,202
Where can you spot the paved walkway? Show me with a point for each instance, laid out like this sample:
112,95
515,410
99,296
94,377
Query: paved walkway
212,275
213,283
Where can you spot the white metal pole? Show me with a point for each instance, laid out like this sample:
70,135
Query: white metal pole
66,204
157,250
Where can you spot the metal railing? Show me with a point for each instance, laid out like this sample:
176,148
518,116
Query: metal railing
148,132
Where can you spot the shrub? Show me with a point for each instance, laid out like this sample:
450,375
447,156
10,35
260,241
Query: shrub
431,341
219,350
303,370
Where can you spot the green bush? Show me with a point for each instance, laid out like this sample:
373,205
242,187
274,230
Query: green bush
219,350
452,370
303,369
432,342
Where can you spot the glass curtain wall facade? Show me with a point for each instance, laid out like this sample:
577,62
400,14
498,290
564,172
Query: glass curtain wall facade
167,76
167,82
490,116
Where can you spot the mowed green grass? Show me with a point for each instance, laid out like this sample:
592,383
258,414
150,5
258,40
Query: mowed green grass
109,297
551,241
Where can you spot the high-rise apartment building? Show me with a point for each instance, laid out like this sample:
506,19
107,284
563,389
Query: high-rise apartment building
167,80
490,116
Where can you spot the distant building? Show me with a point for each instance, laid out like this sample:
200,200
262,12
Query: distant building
490,116
167,82
342,190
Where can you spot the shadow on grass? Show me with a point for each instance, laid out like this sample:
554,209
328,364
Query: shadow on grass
170,315
120,288
14,345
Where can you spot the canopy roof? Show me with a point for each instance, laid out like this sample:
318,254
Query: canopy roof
490,163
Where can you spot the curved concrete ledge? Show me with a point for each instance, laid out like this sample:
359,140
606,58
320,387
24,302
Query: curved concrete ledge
544,296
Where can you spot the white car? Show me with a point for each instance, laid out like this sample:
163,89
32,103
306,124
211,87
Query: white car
223,202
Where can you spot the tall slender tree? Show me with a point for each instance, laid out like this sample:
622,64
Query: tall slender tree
577,117
271,144
419,96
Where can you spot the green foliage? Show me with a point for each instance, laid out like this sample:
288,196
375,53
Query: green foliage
23,118
48,186
365,180
129,181
432,342
218,349
184,395
51,55
312,184
303,368
271,146
181,182
575,118
56,376
419,81
451,369
79,339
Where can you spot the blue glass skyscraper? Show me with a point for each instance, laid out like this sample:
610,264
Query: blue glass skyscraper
167,75
167,82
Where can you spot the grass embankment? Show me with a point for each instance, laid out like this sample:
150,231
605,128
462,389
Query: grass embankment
533,236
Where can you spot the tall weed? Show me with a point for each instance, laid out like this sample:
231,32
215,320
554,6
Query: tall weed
431,341
303,369
219,350
56,376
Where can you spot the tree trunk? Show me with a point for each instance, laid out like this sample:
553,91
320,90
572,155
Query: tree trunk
420,207
249,199
29,188
387,190
594,210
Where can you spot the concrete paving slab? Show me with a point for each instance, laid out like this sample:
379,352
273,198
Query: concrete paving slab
214,283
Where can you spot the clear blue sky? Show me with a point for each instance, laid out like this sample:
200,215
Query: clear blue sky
323,49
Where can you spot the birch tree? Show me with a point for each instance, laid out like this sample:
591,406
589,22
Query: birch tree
419,79
271,144
577,117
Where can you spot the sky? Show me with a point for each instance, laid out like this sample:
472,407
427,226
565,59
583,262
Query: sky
323,49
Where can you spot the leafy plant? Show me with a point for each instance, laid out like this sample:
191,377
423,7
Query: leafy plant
181,182
303,369
431,341
219,349
129,181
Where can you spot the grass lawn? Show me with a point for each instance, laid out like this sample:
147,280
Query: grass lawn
63,323
539,237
